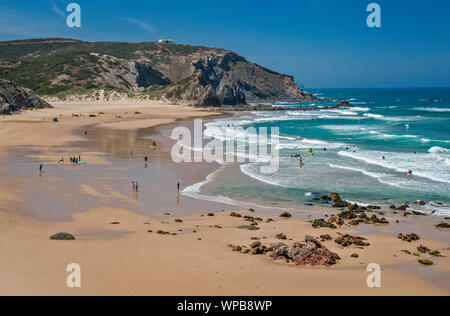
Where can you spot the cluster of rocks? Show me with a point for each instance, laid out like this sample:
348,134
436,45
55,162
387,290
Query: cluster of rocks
443,226
353,216
409,237
347,241
252,220
310,252
269,107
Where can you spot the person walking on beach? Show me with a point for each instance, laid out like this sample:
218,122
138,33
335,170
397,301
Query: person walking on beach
61,160
41,167
178,187
137,187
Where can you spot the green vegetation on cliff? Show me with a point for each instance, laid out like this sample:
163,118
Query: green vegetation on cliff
182,73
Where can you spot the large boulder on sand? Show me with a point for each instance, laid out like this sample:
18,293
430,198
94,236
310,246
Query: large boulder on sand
62,236
310,252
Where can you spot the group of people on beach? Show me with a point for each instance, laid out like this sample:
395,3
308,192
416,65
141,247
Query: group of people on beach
73,160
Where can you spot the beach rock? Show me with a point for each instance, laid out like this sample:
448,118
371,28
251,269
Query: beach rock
234,214
435,254
443,225
326,198
161,232
409,237
321,223
335,196
281,236
178,220
256,244
426,262
285,215
355,255
311,252
402,208
279,250
62,236
325,237
236,248
347,240
258,250
348,215
115,223
377,220
338,203
249,227
422,203
211,215
423,249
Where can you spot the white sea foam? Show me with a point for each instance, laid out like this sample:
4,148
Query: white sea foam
437,149
438,110
381,177
194,191
423,165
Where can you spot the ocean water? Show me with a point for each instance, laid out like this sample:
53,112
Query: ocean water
410,128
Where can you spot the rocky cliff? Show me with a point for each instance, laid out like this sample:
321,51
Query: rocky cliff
14,98
187,74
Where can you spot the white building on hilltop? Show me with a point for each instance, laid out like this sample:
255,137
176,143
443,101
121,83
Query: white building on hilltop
166,41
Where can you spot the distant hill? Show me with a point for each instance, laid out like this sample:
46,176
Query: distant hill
14,98
63,68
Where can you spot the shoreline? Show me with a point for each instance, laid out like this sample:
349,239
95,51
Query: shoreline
174,260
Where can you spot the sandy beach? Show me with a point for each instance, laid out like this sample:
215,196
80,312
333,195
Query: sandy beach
117,244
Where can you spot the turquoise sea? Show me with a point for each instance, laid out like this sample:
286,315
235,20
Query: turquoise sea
364,152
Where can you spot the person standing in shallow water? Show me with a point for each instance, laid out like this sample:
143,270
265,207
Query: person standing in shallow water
41,167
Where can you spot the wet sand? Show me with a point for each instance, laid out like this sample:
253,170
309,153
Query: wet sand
128,259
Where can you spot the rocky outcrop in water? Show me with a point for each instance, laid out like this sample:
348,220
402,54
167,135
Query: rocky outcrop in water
14,98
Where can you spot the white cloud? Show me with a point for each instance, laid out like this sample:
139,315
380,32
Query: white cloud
56,9
144,25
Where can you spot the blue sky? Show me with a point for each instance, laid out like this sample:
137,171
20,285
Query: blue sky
323,43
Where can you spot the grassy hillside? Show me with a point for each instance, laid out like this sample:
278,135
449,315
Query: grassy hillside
190,74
